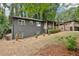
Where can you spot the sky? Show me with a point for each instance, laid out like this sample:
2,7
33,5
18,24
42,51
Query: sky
7,12
66,6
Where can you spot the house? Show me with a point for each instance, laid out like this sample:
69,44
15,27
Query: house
69,26
26,27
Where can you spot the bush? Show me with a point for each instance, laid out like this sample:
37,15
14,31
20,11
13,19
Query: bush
71,43
4,26
51,31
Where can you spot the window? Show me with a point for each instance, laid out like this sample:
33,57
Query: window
76,28
38,24
22,22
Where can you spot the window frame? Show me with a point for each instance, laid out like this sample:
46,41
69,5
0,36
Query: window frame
22,22
38,24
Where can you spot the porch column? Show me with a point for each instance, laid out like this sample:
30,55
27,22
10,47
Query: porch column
73,29
53,25
64,27
46,27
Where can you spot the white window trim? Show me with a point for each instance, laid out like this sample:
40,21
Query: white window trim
38,24
21,22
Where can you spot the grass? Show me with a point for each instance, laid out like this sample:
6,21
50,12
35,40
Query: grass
54,38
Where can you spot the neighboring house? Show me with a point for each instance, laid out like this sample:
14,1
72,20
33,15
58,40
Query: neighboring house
69,26
26,27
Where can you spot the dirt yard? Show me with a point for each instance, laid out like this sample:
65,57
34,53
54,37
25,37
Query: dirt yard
43,45
56,47
27,46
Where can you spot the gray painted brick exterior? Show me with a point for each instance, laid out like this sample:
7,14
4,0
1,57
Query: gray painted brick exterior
26,30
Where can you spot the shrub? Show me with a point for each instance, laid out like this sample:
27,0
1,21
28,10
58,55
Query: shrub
4,26
51,31
71,43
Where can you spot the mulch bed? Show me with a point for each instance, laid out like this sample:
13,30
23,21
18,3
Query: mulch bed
56,50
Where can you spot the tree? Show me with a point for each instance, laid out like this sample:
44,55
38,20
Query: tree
77,13
67,15
4,23
41,11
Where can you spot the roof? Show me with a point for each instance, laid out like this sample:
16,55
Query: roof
29,19
69,22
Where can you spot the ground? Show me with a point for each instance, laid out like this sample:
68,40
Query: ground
43,45
27,46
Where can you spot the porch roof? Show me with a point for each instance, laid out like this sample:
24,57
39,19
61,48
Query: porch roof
69,22
30,19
